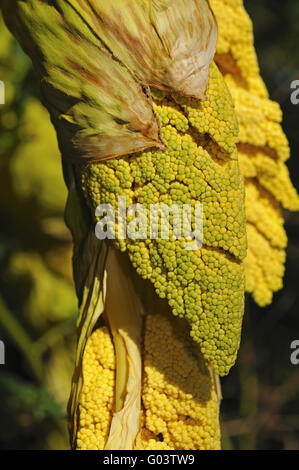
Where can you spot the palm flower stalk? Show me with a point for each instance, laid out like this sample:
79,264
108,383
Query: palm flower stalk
263,152
144,115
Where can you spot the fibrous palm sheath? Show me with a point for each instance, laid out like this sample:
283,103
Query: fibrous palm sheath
140,117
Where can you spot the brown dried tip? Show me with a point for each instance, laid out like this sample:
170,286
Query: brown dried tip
96,61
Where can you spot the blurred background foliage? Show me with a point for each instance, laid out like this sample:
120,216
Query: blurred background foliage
38,307
37,300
